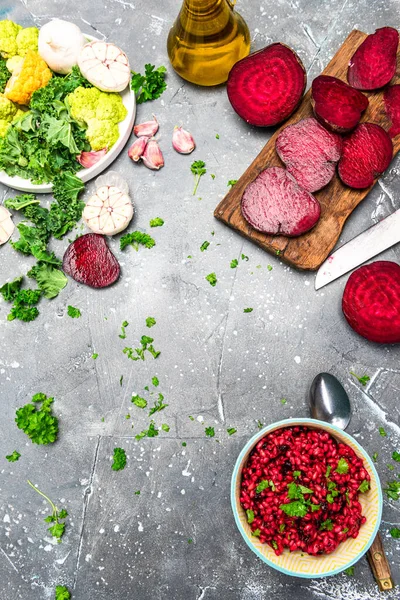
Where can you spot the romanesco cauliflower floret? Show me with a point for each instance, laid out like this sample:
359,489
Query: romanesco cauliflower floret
101,111
27,39
33,74
4,125
8,38
7,109
102,134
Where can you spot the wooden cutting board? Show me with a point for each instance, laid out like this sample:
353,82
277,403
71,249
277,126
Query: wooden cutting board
309,250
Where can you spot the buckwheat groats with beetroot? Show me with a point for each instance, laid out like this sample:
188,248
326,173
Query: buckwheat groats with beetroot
300,491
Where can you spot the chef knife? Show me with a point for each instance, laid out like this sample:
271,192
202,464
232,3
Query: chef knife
368,244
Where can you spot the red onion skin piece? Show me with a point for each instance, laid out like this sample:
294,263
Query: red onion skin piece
366,154
373,64
89,260
337,105
310,153
266,87
391,98
274,203
371,302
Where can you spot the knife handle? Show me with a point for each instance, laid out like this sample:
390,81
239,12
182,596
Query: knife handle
379,564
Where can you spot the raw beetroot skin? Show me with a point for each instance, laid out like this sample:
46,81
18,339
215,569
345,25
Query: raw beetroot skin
274,203
371,302
337,105
374,63
89,260
366,153
265,87
391,98
310,153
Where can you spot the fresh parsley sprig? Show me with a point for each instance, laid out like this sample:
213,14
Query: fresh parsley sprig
119,459
58,528
198,168
37,420
135,238
150,85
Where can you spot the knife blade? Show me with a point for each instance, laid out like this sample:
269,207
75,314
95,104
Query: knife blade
368,244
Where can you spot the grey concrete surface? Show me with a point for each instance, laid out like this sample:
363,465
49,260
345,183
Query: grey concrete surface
221,366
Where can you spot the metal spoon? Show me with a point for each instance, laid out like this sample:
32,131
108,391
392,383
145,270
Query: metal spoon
329,402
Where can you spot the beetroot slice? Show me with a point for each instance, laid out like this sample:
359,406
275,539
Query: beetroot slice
371,302
265,87
374,63
275,203
89,260
366,153
337,105
391,98
310,153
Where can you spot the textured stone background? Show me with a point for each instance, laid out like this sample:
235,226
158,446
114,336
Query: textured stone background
216,362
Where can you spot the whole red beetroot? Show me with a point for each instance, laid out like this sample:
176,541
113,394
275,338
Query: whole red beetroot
337,105
366,153
374,63
265,87
310,153
371,302
89,260
275,203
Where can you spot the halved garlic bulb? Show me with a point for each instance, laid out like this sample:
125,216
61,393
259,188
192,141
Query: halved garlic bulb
6,225
110,209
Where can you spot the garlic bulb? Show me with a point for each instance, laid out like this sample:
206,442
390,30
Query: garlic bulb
110,210
60,43
6,225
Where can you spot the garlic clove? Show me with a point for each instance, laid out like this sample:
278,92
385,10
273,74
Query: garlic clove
112,179
88,159
152,156
182,141
6,225
135,152
148,128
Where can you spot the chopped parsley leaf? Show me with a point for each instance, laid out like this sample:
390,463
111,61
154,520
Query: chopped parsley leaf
274,544
396,456
364,486
152,431
328,471
282,527
73,312
232,182
150,321
375,456
393,490
294,509
204,246
263,485
250,516
135,238
231,430
256,533
39,423
155,381
363,380
94,355
137,493
191,418
247,310
212,279
342,466
395,533
283,400
158,405
390,467
382,432
165,427
119,459
212,176
217,136
234,263
296,474
157,222
349,571
62,593
210,431
269,267
13,457
122,335
328,525
138,401
184,444
259,424
244,257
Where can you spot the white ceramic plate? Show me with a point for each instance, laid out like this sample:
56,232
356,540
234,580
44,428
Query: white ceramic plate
125,129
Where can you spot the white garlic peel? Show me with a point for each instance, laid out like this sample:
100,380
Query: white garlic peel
6,225
105,65
110,210
60,43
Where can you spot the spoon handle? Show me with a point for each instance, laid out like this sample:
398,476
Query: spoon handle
379,564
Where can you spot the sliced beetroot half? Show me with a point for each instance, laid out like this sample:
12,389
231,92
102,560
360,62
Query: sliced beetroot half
310,153
366,153
374,63
371,302
89,260
337,105
391,98
265,87
275,203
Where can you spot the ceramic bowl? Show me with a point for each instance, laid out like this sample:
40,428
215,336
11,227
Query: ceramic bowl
297,563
